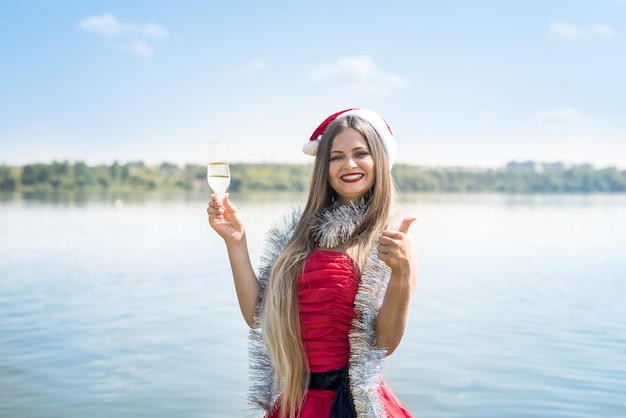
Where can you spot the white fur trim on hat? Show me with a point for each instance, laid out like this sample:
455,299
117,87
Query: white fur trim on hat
310,148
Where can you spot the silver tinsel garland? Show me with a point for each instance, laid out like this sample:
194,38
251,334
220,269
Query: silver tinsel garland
335,225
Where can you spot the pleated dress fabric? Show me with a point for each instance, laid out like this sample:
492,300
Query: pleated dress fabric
326,291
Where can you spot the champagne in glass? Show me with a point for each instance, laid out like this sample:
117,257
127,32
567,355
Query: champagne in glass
218,172
218,176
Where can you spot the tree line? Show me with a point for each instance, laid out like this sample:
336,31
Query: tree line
137,176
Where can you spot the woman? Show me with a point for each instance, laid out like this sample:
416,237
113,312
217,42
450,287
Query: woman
332,296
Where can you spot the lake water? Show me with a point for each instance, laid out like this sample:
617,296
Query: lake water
128,309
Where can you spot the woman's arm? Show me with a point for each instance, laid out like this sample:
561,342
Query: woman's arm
397,250
234,235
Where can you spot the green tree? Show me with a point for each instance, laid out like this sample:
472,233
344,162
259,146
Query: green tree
36,176
9,179
83,175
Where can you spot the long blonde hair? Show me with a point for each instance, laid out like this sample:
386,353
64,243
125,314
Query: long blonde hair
280,319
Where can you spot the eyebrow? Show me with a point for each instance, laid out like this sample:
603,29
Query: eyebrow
360,147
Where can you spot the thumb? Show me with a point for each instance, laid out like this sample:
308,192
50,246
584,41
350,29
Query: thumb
406,223
227,203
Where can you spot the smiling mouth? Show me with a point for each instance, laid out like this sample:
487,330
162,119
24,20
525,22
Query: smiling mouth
352,177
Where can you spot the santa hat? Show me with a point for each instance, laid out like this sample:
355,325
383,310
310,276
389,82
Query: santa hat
371,117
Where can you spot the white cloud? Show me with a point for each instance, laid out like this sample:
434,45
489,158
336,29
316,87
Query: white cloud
361,74
570,31
251,67
153,30
559,114
141,49
108,25
129,36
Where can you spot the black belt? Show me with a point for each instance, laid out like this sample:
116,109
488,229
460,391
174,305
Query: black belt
337,380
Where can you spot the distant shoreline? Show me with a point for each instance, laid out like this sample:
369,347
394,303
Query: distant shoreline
515,177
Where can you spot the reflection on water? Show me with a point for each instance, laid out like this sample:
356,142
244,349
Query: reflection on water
127,309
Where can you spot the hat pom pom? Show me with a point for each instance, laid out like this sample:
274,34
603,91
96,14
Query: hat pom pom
310,148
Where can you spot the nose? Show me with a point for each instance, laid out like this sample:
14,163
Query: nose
349,163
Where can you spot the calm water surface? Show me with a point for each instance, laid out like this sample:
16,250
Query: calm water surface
128,309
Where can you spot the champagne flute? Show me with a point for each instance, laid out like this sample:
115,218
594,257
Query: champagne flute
218,172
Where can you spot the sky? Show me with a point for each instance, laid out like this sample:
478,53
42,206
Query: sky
471,83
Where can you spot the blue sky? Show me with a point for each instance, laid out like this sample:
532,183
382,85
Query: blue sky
466,83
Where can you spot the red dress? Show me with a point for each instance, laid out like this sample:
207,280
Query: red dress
326,292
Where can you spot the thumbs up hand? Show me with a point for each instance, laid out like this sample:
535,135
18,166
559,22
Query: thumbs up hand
396,249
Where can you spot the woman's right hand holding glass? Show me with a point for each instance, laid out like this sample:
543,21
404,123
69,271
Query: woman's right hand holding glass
232,229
